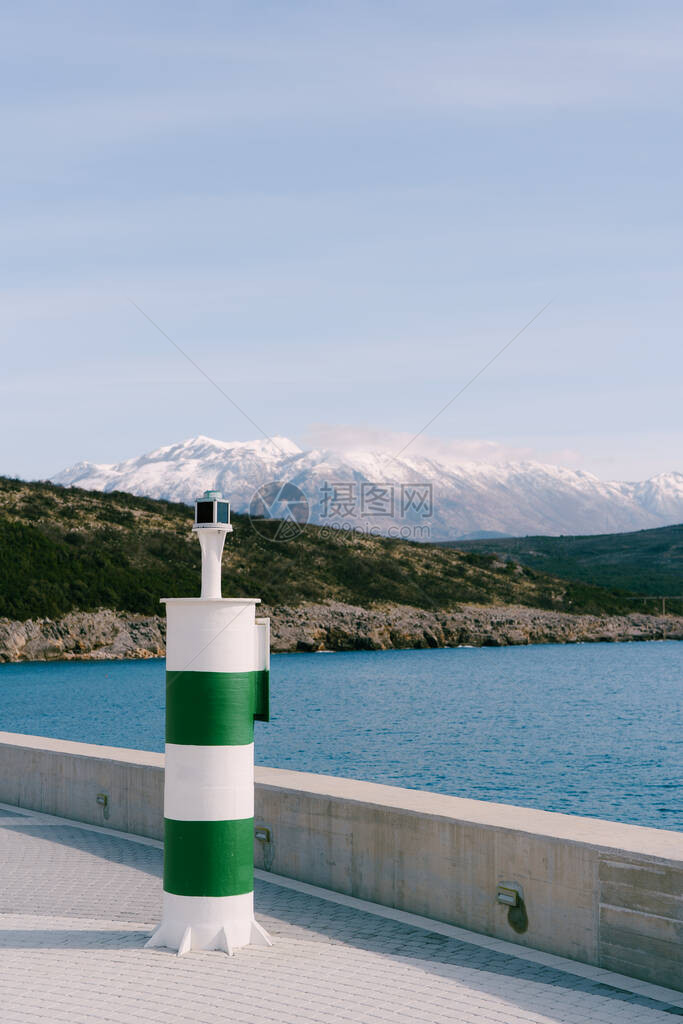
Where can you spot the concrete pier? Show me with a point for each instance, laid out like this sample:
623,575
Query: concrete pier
602,893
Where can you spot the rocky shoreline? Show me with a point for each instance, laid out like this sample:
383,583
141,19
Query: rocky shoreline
333,627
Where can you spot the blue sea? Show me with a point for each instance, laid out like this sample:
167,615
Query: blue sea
591,729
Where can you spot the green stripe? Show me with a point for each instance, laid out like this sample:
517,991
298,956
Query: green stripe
208,858
211,708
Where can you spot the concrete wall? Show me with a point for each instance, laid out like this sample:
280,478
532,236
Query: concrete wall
596,891
64,778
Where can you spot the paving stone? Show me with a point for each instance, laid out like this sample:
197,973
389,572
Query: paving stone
76,907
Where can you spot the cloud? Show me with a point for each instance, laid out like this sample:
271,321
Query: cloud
451,451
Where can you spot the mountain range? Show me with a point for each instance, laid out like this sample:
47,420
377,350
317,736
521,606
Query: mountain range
415,497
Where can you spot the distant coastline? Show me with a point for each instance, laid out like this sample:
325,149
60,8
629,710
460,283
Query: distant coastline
333,626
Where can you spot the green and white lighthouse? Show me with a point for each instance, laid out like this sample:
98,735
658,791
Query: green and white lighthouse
217,669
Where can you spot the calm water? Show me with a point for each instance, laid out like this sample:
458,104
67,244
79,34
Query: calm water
586,729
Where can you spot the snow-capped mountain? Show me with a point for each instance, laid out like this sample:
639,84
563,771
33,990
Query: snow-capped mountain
409,496
180,472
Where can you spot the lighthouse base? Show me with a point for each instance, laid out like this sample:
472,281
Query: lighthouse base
208,922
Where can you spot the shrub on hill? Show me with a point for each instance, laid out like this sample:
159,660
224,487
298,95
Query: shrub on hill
64,549
648,563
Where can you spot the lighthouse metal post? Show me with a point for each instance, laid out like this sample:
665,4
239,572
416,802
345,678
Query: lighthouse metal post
217,669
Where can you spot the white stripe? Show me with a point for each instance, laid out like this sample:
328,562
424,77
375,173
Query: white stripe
211,636
206,915
207,909
209,783
263,644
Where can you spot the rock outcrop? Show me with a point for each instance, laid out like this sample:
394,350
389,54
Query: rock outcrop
334,626
81,635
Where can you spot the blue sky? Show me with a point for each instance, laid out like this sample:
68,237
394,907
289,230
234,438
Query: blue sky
341,211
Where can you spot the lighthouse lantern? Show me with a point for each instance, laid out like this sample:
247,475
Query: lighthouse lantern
212,510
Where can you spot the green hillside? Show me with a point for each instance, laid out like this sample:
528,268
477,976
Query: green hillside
64,549
646,562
